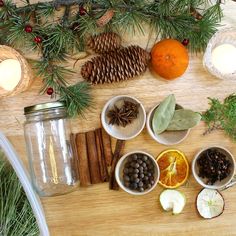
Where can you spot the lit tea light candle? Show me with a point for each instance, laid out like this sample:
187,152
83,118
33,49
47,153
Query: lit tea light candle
224,58
10,74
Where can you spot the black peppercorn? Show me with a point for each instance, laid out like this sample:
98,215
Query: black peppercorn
213,166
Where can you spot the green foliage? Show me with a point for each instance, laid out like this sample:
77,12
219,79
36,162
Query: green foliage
222,115
67,35
45,9
60,40
16,215
8,10
76,98
53,75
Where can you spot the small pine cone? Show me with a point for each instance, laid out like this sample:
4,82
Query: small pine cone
103,20
116,66
104,42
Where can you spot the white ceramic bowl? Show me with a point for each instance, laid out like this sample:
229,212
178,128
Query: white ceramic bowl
217,184
119,173
227,35
167,137
131,130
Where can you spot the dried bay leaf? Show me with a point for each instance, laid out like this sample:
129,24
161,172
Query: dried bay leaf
163,114
184,119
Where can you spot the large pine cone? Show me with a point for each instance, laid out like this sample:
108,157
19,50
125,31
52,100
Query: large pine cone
104,42
116,66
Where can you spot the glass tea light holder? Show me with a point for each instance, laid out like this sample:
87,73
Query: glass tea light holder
15,72
220,55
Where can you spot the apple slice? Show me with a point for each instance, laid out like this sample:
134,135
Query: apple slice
210,203
172,200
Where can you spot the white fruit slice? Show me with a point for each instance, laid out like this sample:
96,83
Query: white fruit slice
210,203
172,200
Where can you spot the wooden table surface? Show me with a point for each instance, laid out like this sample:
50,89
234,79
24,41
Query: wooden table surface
98,211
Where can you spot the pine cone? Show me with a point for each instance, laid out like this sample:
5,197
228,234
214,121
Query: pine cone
104,42
103,20
116,66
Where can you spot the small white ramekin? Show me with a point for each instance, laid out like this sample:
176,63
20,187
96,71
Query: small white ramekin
131,130
167,137
119,173
218,184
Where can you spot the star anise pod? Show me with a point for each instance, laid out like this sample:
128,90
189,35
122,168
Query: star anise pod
124,115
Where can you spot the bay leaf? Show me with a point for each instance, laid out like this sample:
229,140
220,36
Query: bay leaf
184,119
163,114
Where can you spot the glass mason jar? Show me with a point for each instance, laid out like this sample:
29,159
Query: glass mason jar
47,134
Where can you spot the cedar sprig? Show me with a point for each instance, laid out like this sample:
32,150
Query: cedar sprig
222,115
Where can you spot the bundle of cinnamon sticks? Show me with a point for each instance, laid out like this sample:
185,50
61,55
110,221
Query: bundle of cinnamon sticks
94,158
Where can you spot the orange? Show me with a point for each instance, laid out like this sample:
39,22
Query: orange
174,168
169,59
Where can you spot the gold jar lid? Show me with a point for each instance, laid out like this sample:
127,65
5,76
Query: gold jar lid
43,107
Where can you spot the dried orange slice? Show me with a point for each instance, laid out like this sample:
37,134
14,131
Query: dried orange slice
174,168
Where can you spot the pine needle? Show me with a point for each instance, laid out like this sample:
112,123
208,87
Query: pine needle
16,215
66,35
77,98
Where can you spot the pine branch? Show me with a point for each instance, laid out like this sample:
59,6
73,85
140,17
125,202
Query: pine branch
77,98
53,75
45,9
59,40
54,4
179,19
170,18
17,217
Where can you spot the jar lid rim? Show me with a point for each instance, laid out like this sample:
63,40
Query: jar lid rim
43,107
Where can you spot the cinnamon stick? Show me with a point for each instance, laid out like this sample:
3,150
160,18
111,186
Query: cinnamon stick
83,164
93,158
120,144
106,141
100,154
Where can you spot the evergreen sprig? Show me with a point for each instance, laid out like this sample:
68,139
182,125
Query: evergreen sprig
76,98
222,115
16,215
67,35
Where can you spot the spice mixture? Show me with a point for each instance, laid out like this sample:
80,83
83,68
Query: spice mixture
213,165
138,173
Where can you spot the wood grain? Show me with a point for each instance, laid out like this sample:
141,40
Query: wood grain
96,210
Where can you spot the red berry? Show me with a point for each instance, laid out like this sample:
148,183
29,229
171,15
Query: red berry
28,28
2,3
38,39
185,42
82,11
50,91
